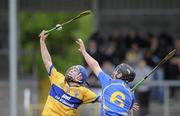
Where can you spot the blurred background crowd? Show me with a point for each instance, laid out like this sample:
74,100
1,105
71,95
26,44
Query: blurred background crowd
140,51
143,53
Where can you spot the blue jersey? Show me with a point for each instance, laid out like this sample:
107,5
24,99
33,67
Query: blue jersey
117,97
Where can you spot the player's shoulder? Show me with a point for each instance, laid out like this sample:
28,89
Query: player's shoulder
84,89
56,72
60,74
53,69
118,82
103,74
59,78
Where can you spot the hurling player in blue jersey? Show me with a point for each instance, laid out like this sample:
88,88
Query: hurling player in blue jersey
117,99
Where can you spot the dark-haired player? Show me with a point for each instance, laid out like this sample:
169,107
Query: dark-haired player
117,98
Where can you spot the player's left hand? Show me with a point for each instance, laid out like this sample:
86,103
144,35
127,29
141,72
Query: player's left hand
81,45
135,107
43,36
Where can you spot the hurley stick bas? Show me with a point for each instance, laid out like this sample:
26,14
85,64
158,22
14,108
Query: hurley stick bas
59,26
165,59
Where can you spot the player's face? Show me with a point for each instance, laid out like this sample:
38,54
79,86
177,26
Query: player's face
75,74
116,75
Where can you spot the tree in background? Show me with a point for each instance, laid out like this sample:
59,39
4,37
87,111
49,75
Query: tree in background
62,42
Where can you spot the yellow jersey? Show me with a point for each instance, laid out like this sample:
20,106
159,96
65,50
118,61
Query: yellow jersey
64,100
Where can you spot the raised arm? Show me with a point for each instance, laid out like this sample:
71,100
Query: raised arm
44,51
131,112
93,64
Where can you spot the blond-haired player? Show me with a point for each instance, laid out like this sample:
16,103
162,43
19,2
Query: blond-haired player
66,92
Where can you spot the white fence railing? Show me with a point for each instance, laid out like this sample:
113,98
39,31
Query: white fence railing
165,84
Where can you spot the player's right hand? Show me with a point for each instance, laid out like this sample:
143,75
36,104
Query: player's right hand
81,45
43,36
135,107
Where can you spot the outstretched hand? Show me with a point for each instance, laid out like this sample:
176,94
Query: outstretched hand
135,107
81,45
43,36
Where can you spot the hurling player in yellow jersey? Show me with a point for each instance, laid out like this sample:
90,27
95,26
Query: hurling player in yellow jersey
66,92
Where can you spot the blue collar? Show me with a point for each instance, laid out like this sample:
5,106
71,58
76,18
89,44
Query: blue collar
120,81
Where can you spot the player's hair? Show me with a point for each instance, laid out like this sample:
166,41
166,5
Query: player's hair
128,73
